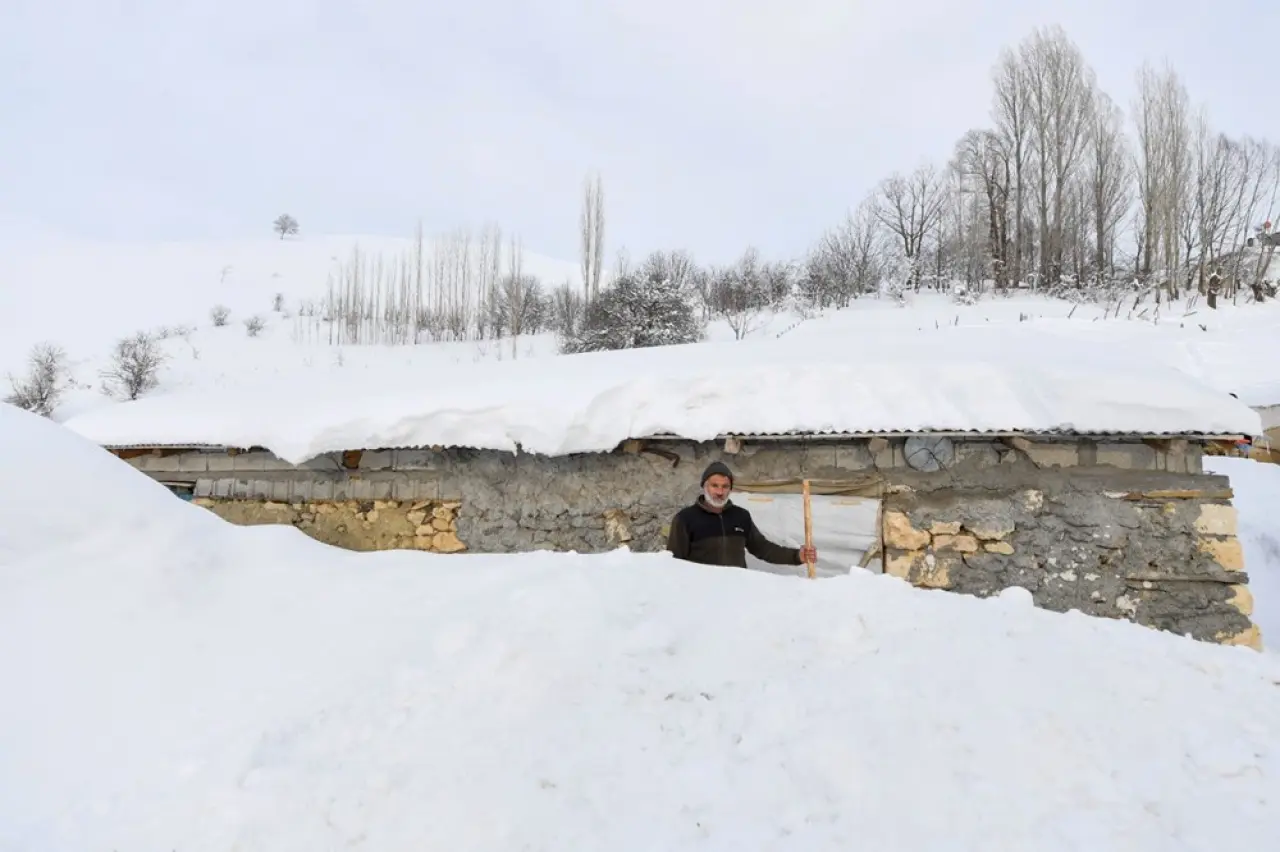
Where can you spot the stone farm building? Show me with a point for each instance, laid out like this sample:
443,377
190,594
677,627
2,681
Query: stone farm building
1100,516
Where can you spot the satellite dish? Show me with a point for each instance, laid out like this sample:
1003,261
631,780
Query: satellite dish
928,453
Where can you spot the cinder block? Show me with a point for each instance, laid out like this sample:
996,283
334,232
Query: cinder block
376,460
380,489
404,489
193,462
204,488
224,488
300,490
413,459
280,490
160,464
322,489
326,461
1053,454
818,456
261,489
853,457
220,463
1127,456
259,461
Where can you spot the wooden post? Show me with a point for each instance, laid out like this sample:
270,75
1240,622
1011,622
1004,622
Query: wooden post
808,528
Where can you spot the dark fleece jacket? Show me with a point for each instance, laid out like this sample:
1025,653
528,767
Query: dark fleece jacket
699,534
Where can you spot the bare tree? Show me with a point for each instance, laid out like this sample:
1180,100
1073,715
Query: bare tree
909,207
567,306
1109,176
42,388
1163,163
847,261
134,369
677,265
253,325
591,227
742,292
984,164
1260,165
1010,112
1059,86
285,225
517,293
1217,186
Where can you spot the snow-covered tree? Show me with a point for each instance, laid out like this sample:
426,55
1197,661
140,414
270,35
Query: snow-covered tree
636,311
898,277
285,225
740,293
47,377
135,367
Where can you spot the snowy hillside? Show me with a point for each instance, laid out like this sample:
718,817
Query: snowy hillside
85,297
187,684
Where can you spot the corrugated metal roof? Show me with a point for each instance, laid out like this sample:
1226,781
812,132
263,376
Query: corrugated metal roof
822,434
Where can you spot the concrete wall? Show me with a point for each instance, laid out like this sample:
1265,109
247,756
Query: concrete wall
1124,529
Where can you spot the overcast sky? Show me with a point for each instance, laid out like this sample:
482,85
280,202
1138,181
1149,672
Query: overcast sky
715,123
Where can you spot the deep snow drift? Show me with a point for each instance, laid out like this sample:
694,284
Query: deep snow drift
173,682
955,379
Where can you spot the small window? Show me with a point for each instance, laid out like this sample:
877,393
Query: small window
182,490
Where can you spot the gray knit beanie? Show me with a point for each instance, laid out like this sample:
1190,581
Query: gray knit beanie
714,468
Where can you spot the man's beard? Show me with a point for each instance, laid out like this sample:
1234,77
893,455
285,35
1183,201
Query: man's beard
715,502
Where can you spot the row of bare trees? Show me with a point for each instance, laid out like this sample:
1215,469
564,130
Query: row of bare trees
463,287
1062,189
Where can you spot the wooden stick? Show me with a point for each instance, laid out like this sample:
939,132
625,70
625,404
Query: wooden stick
808,528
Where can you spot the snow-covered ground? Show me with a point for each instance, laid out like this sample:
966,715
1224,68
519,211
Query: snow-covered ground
948,380
84,297
1257,500
174,682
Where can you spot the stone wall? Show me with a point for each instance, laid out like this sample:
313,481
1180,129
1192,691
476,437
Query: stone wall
1125,529
1166,557
354,524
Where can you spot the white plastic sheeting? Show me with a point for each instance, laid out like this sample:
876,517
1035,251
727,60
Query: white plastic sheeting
844,529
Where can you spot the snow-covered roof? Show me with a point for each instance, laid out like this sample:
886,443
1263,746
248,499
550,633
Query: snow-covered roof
954,381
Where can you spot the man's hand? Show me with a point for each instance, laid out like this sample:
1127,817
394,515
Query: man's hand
808,555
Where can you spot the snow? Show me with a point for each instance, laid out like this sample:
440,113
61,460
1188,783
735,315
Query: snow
952,379
85,295
175,682
1257,501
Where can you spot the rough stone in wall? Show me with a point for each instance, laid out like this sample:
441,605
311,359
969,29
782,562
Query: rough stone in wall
354,524
1165,558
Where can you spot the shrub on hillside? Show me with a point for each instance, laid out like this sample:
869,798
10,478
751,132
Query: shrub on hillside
135,367
740,293
220,314
638,310
254,325
42,388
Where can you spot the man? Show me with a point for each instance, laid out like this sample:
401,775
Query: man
716,531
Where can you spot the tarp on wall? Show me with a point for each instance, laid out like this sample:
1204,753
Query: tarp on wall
845,528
